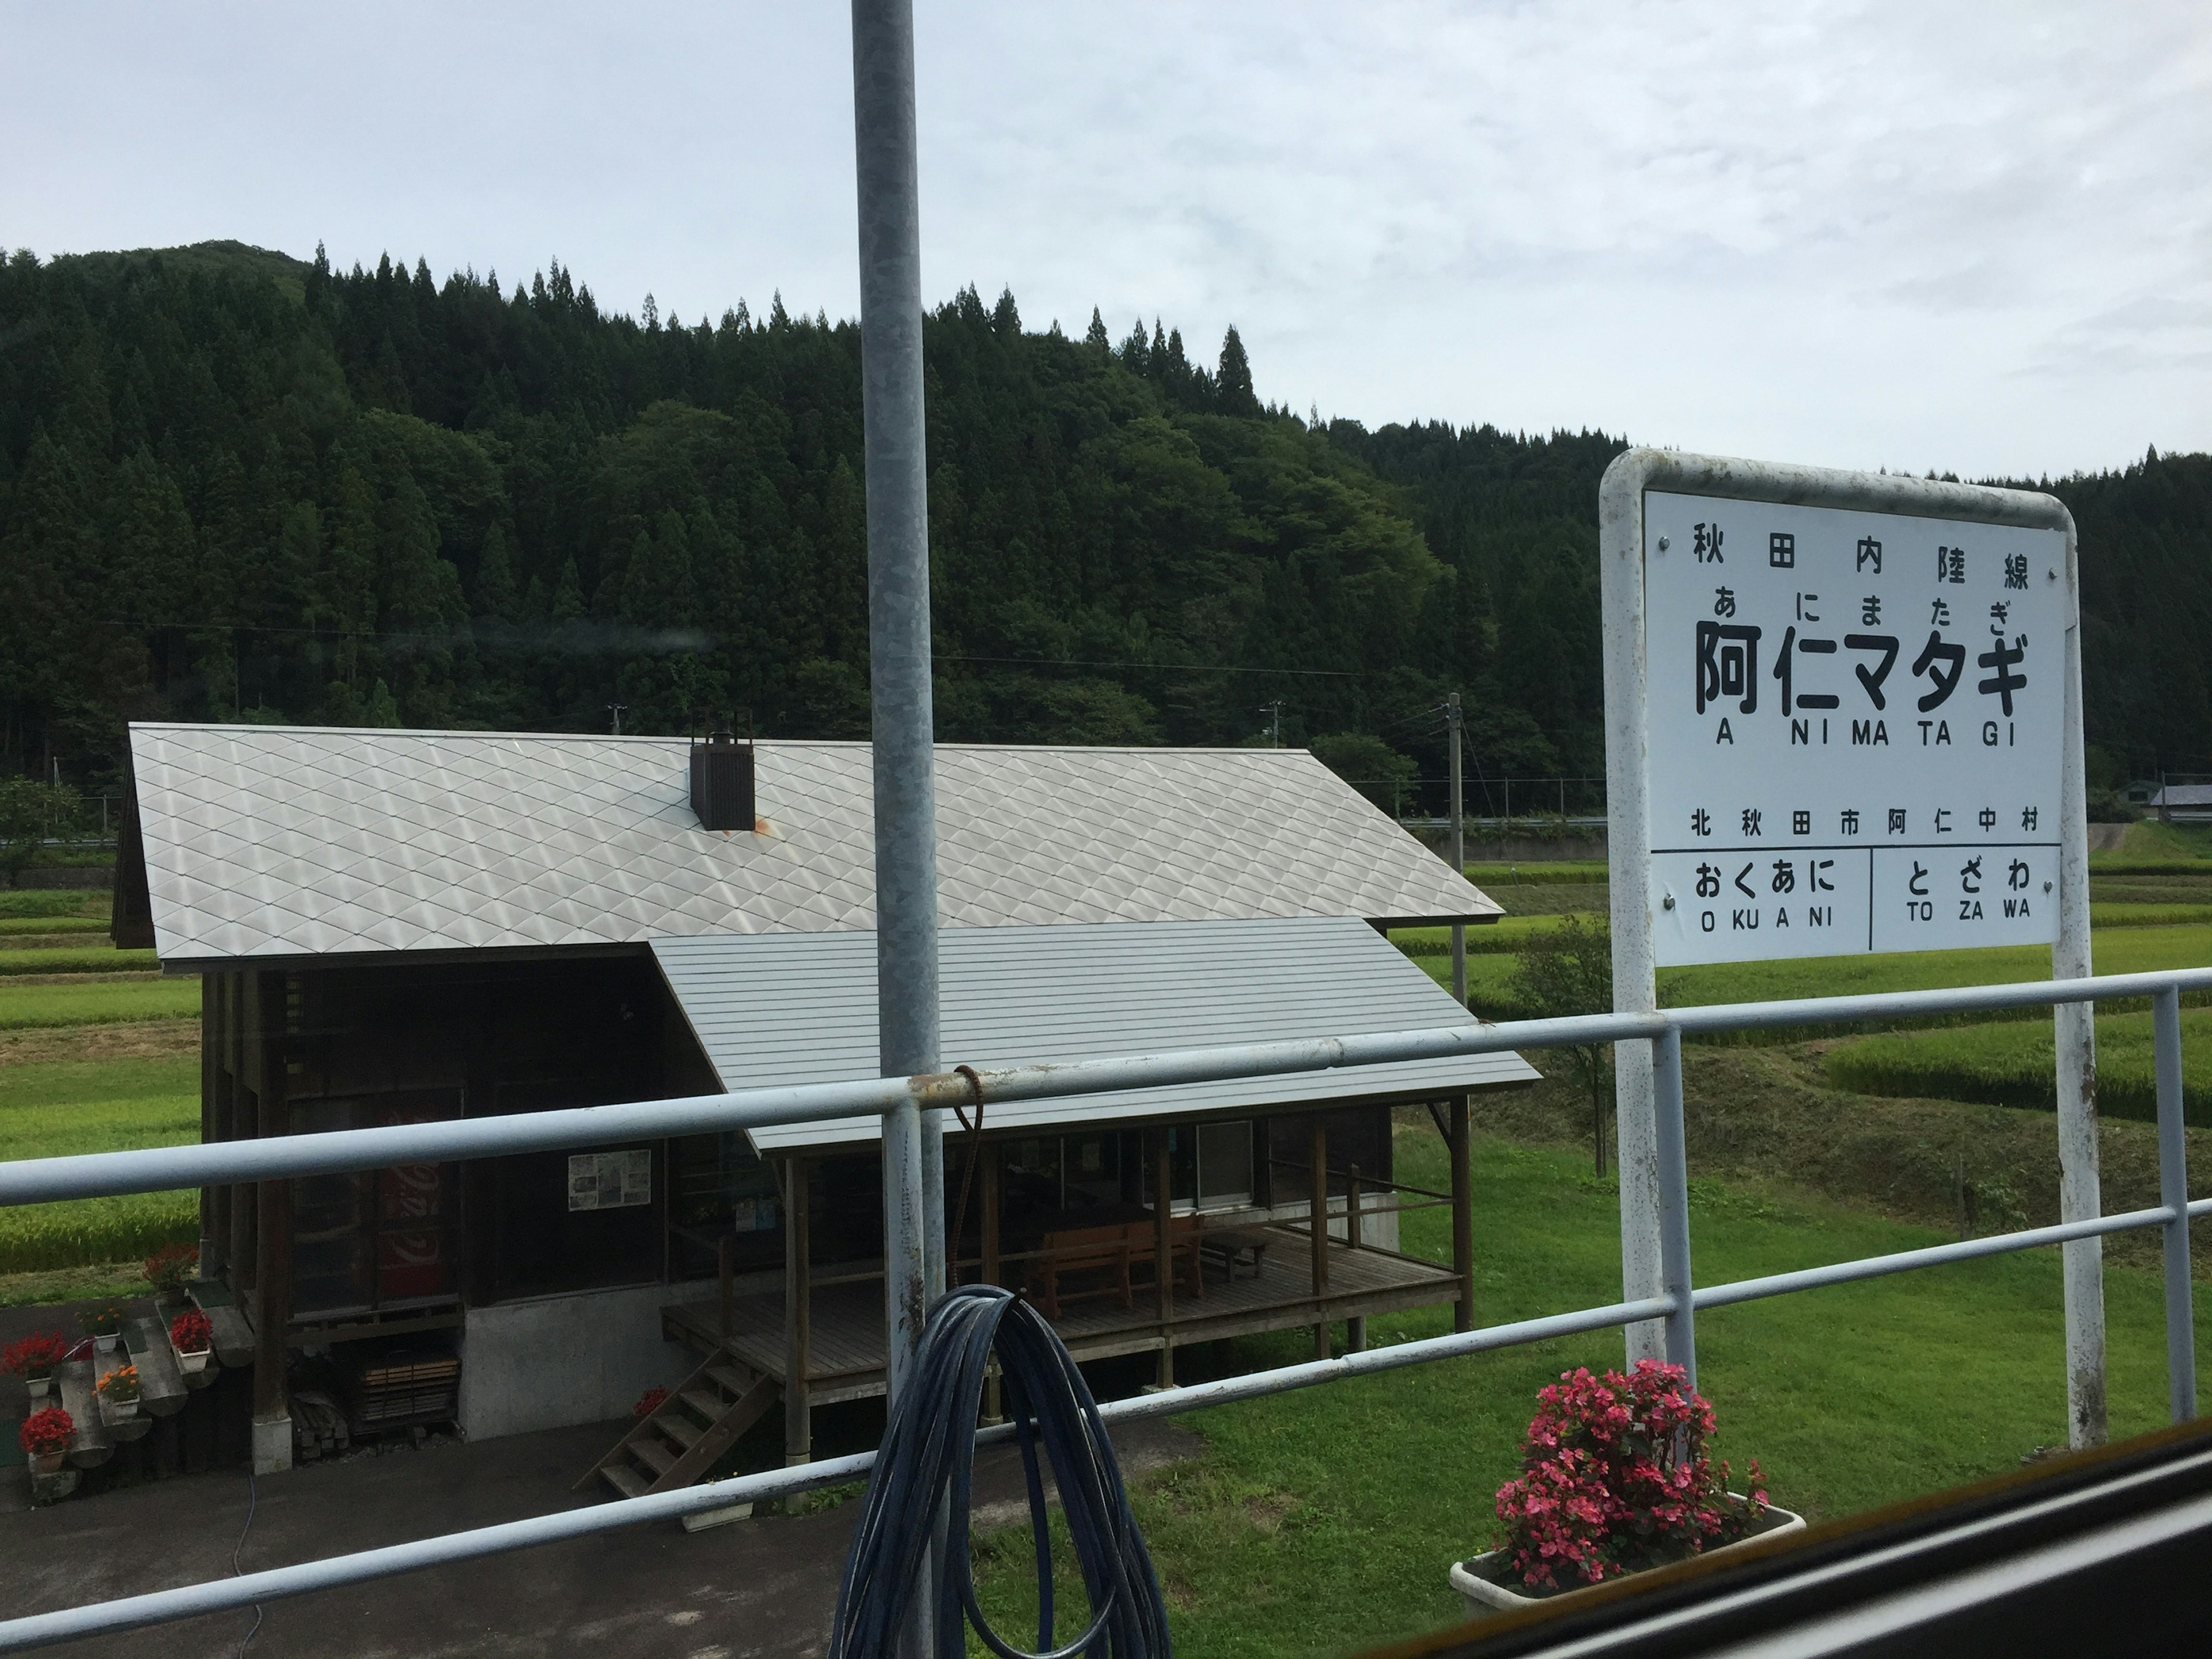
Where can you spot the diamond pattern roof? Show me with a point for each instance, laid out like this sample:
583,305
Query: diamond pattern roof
269,842
771,1012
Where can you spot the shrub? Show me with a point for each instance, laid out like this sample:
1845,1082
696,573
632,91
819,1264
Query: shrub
46,1432
168,1268
191,1332
36,1355
1614,1478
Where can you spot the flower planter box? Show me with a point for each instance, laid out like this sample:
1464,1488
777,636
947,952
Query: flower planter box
39,1387
1477,1579
193,1363
49,1462
106,1342
118,1411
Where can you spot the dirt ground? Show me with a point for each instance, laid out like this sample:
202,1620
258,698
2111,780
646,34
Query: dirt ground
764,1587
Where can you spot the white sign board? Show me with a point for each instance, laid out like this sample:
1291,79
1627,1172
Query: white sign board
1856,727
610,1181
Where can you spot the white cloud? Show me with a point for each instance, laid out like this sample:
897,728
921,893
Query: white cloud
1960,237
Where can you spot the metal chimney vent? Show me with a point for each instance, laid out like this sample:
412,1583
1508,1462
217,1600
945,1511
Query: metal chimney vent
722,782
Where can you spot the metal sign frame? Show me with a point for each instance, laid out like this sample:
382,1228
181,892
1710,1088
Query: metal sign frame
1635,989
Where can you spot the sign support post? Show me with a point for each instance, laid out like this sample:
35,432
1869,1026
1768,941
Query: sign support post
1843,716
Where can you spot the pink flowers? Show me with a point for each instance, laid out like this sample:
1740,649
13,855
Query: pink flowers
1614,1478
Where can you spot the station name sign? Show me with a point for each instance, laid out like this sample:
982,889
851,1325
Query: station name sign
1856,730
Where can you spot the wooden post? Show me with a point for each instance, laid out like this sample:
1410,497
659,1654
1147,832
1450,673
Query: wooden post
215,1215
1355,1325
1462,1203
245,1124
725,1276
798,1315
991,1267
1163,1256
1317,1220
988,1223
272,1421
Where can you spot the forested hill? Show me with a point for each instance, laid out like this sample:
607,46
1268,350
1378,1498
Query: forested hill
237,486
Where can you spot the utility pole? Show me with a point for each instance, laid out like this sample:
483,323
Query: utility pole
1456,719
1274,711
618,709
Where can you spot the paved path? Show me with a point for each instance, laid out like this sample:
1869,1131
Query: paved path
757,1588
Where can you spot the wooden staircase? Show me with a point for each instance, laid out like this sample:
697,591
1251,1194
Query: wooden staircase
676,1444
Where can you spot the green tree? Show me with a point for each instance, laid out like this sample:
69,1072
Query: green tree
1563,972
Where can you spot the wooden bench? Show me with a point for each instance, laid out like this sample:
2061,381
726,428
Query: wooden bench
1082,1250
1231,1247
1113,1251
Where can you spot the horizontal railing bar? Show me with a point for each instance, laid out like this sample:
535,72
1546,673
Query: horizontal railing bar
279,1584
276,1583
1935,1255
97,1175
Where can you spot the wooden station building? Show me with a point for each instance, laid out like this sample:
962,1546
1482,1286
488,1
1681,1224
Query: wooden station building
399,926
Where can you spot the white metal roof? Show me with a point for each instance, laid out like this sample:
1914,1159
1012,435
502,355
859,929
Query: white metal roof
274,842
772,1010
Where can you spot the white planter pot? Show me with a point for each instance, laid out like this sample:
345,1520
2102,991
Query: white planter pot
40,1387
191,1364
118,1411
1479,1589
108,1344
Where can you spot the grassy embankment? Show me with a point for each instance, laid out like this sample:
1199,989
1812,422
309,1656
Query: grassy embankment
97,1052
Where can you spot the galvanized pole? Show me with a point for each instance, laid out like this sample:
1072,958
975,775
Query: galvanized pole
2174,1194
2080,1198
1455,717
1628,839
1674,1203
898,647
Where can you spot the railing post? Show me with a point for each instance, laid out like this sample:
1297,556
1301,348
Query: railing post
2174,1194
1674,1203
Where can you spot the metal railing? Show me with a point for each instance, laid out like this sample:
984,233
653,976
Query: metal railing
112,1174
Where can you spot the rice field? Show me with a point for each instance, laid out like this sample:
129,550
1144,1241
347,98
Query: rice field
51,1109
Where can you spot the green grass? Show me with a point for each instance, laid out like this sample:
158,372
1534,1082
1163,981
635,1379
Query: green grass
1324,1520
2149,915
2115,950
36,926
1487,876
2179,846
52,902
77,959
1502,937
2012,1064
52,1108
103,1003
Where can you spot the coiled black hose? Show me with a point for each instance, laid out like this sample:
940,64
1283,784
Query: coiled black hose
928,1457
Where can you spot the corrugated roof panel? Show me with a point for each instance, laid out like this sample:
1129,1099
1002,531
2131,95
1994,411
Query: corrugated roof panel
336,841
774,1011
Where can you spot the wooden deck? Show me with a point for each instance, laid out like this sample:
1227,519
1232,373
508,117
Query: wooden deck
846,1346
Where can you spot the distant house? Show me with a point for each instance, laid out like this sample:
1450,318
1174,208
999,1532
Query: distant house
2183,802
407,926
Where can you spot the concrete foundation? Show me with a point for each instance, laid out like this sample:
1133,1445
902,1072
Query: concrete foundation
552,1361
272,1444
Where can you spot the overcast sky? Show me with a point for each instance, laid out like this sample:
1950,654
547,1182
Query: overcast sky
1973,237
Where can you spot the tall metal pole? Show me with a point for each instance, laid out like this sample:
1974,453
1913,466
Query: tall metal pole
1455,717
2173,1193
1628,837
898,647
2079,1195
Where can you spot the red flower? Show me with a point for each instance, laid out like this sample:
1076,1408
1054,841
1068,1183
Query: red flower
34,1355
45,1432
191,1331
649,1402
1614,1477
